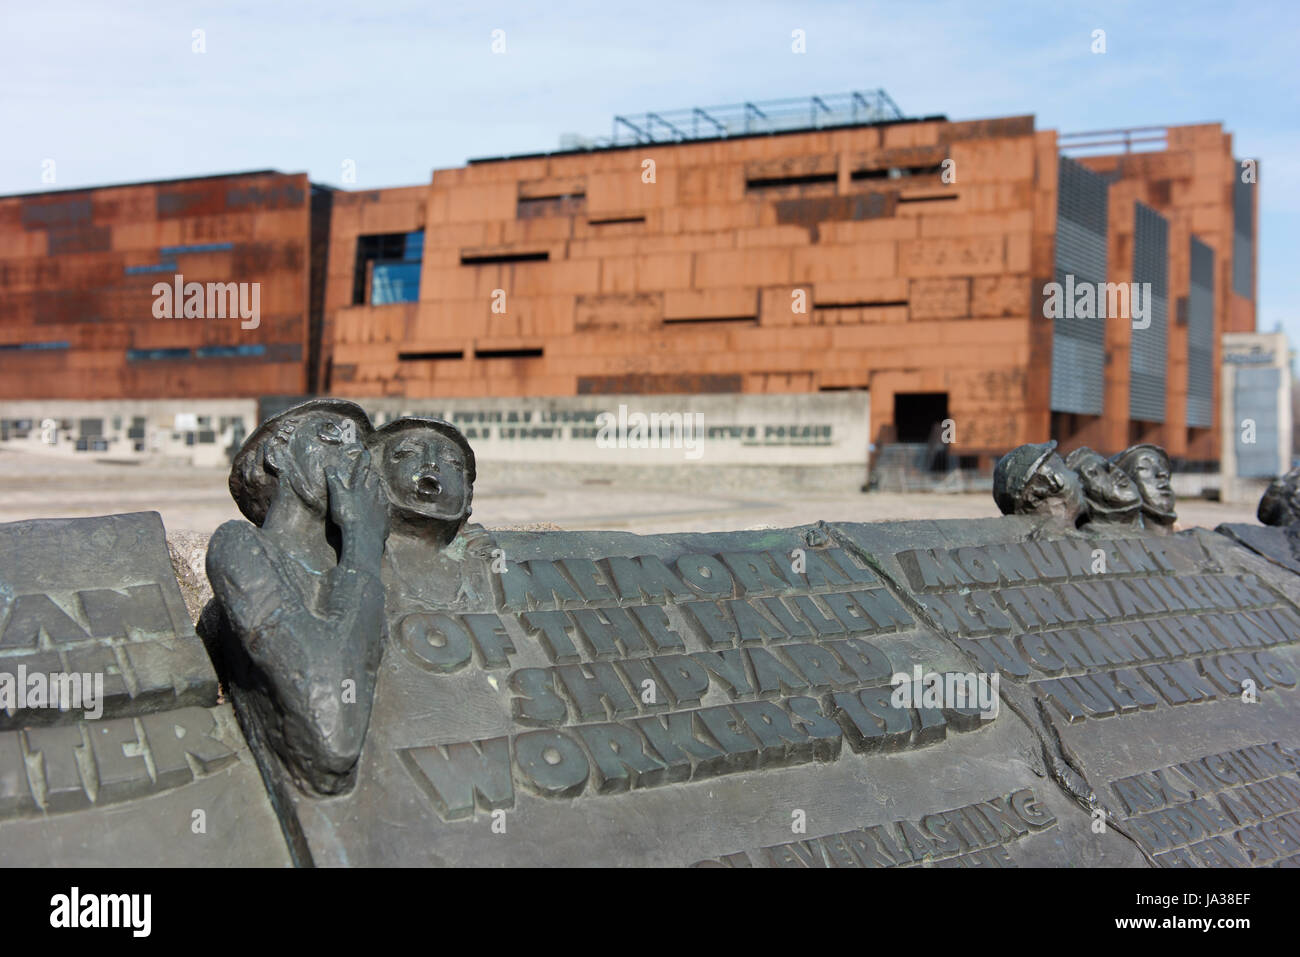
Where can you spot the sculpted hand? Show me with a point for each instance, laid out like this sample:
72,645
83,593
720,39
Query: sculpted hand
358,504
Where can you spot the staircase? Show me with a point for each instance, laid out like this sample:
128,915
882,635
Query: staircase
922,467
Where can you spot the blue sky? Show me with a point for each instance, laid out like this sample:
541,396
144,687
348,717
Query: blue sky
112,91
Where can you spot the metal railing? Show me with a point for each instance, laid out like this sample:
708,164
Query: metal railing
1148,138
746,119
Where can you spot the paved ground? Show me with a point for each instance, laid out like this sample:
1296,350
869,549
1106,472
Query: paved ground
197,500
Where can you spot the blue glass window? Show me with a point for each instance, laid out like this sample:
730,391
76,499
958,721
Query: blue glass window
395,282
392,261
414,248
137,355
58,344
230,352
152,267
196,248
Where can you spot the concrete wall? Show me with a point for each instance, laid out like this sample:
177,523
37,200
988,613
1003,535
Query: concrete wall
200,432
827,429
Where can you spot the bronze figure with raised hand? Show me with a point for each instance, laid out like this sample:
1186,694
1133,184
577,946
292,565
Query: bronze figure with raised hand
299,589
1033,480
1112,497
1149,467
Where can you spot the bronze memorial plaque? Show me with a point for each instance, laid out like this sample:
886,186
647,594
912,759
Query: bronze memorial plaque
1074,684
1161,668
114,749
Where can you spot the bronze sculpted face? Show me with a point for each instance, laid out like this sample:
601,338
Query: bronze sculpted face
428,471
1280,504
1111,494
295,452
1148,466
1054,490
1033,480
301,453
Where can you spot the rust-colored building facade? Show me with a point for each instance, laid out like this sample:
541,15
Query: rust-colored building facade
909,259
913,259
79,315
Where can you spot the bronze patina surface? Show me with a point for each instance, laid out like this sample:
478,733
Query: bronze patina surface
1076,683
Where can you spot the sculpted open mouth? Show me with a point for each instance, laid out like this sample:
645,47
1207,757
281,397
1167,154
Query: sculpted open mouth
428,487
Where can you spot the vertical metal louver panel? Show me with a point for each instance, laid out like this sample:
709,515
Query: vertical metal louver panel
1200,337
1254,397
1079,344
1243,238
1147,349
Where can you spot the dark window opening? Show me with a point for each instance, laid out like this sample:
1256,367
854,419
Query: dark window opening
423,356
689,319
918,415
497,259
617,221
507,353
896,172
927,199
876,304
388,268
776,182
568,204
322,203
